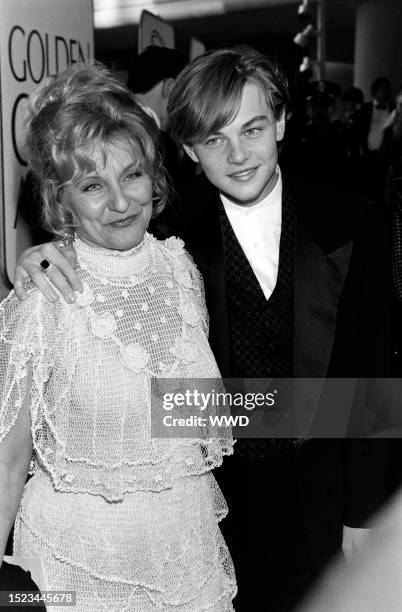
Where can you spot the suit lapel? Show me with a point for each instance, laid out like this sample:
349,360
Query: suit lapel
319,280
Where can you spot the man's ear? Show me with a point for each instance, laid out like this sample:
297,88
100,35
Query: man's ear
191,153
167,86
280,127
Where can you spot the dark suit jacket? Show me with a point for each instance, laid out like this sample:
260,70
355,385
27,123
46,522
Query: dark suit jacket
342,277
341,321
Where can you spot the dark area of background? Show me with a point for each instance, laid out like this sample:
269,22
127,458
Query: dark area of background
270,30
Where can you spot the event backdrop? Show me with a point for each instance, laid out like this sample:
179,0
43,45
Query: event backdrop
38,38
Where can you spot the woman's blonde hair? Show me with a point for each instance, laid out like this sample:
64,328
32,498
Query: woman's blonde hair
80,109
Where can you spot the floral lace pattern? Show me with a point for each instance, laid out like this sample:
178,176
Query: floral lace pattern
135,357
141,315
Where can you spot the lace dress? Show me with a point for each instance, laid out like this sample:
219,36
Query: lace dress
128,521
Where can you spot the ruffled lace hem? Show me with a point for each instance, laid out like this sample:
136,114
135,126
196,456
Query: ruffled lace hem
152,539
42,544
200,578
195,458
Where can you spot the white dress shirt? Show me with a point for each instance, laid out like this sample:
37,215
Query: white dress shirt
258,230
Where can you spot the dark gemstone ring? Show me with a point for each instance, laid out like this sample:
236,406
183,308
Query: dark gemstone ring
44,264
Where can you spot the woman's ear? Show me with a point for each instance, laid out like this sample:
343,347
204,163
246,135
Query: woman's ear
190,152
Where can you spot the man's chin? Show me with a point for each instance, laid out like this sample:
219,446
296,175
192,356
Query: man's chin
244,198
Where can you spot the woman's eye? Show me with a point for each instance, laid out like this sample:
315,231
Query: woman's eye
91,187
133,175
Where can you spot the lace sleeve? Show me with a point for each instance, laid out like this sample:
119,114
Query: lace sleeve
21,342
190,278
17,347
197,280
198,290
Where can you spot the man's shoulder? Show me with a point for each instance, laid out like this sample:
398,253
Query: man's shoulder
199,190
312,194
333,215
198,200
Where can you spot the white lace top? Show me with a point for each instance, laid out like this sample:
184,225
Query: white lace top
142,314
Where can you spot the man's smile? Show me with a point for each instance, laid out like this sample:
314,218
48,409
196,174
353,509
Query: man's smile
243,175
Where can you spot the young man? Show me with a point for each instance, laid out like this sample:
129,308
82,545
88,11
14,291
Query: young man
295,285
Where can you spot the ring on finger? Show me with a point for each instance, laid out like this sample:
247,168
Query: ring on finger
45,265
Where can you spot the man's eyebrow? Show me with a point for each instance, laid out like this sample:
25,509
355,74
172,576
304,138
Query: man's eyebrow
244,126
253,120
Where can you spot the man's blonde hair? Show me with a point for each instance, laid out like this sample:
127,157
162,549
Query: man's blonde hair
207,93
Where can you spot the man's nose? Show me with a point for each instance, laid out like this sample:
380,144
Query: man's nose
237,152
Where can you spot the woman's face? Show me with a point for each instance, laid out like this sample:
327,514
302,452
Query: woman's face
111,206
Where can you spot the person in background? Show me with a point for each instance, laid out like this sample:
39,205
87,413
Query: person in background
292,290
376,116
352,100
125,520
319,151
392,142
348,136
151,77
377,112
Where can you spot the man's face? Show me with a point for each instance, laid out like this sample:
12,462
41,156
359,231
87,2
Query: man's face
240,159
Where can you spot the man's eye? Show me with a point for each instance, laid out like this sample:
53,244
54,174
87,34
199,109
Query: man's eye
253,131
213,141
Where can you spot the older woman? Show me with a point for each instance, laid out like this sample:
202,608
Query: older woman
128,521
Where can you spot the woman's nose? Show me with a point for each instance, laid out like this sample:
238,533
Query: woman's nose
119,200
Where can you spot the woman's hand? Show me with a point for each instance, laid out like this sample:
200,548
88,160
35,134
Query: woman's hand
60,272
